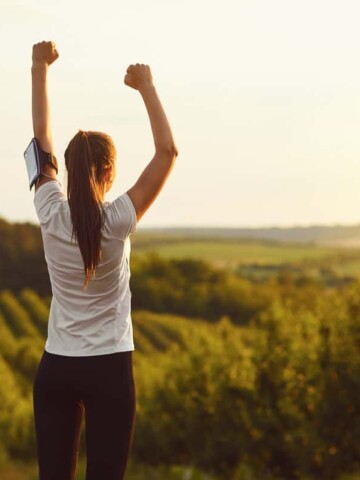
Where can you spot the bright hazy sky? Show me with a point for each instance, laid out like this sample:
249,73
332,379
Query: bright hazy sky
263,98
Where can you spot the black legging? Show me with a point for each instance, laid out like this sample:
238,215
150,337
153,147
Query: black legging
103,386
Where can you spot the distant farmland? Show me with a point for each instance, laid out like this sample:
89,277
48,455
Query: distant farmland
227,252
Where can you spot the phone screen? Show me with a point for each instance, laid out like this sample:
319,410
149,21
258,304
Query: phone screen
32,163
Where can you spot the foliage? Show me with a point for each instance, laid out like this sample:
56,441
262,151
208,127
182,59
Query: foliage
22,260
274,399
7,340
278,399
16,316
37,309
195,288
15,416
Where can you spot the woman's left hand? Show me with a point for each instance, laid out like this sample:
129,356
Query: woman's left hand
44,52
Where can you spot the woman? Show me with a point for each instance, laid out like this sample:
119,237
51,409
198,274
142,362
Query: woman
87,360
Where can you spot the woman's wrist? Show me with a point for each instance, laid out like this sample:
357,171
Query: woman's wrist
147,88
39,65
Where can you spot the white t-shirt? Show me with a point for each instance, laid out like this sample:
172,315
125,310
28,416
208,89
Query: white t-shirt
97,320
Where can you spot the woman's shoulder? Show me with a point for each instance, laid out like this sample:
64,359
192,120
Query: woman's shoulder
47,197
121,215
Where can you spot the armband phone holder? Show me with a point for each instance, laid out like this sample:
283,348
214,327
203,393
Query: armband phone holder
35,159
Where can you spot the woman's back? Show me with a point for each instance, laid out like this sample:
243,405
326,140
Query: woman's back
95,320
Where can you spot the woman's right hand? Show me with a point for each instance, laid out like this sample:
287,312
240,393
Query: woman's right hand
138,77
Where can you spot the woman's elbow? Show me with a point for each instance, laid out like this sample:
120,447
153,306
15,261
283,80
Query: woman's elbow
173,151
169,152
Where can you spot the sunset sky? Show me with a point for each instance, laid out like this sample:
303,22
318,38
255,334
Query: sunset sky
263,98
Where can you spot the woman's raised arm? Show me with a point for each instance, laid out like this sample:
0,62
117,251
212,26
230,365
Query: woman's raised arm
153,178
43,55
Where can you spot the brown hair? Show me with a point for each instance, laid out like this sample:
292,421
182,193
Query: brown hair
87,157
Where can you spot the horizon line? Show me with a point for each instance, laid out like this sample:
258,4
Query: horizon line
219,227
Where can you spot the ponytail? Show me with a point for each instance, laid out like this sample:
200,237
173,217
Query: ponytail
84,189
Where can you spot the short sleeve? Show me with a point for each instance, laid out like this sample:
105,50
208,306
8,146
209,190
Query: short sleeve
47,198
123,216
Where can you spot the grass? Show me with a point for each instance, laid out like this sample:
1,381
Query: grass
348,268
233,253
253,255
19,471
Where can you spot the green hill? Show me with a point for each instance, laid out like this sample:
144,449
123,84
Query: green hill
274,399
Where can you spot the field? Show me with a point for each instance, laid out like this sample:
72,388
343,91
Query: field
228,253
247,255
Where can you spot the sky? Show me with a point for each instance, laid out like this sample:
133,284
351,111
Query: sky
263,98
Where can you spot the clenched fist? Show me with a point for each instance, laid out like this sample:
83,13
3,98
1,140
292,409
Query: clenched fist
138,76
44,52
